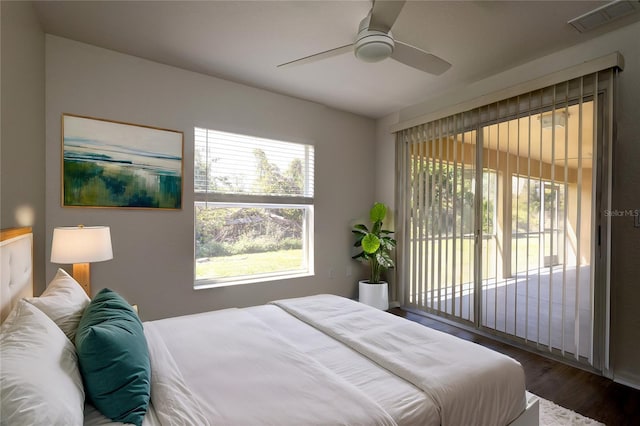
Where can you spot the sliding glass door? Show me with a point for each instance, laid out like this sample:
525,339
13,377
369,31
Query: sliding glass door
537,276
499,218
441,219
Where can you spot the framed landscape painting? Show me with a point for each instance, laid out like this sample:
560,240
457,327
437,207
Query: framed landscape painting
113,164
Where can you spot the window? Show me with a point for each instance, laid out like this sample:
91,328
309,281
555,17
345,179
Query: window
253,208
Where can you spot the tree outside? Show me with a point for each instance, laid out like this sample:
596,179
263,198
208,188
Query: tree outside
235,241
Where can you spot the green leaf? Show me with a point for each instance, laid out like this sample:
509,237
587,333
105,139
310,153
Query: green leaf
386,244
360,256
378,212
370,243
359,231
360,228
384,260
389,240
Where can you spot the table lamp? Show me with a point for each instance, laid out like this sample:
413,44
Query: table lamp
81,245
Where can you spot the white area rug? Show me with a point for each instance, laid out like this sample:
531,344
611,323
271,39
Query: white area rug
554,415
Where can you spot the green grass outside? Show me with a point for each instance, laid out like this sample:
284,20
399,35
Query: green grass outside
290,260
249,264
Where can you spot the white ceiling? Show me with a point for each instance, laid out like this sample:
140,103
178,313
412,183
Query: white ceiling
243,41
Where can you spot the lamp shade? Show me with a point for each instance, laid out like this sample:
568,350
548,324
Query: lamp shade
81,244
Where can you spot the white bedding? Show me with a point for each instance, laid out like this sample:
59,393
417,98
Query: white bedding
261,365
93,417
241,372
469,383
404,402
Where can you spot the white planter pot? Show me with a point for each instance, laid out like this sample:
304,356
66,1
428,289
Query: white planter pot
376,295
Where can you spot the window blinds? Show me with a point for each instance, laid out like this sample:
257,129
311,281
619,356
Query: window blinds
229,166
500,215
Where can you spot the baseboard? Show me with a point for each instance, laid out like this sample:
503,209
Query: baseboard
632,381
394,304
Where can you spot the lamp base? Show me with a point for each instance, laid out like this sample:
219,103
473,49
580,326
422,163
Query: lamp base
82,274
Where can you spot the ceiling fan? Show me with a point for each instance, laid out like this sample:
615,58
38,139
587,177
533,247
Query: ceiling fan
375,42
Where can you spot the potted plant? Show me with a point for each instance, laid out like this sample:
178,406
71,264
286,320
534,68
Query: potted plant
376,245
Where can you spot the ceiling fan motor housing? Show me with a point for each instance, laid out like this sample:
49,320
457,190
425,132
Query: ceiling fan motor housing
373,46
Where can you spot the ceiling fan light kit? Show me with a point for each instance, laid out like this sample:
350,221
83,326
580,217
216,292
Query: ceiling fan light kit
373,46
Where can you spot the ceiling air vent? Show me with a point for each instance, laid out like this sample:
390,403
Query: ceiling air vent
604,14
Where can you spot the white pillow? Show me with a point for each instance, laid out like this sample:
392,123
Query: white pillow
64,301
39,376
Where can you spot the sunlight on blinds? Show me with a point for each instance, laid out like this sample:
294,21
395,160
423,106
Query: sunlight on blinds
440,216
227,163
498,210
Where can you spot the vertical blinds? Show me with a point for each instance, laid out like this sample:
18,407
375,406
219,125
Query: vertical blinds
231,164
438,161
498,209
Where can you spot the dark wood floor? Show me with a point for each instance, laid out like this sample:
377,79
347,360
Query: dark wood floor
583,392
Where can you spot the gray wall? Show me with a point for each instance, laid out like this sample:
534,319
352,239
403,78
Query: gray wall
385,187
153,250
22,137
625,267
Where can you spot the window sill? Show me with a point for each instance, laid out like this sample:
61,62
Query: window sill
206,284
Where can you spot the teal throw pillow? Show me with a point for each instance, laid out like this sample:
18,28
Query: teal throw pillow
114,358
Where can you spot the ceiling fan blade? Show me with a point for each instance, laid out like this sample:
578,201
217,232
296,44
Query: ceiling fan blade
419,59
318,56
384,14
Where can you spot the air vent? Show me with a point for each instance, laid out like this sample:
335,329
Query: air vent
605,14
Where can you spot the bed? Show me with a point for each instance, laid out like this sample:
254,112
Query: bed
317,360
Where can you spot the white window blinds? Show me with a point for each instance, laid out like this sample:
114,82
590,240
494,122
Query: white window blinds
228,165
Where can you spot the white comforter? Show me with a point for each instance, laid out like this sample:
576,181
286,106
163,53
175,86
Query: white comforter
238,371
471,385
261,366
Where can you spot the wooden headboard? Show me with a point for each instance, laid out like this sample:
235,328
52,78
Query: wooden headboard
16,267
